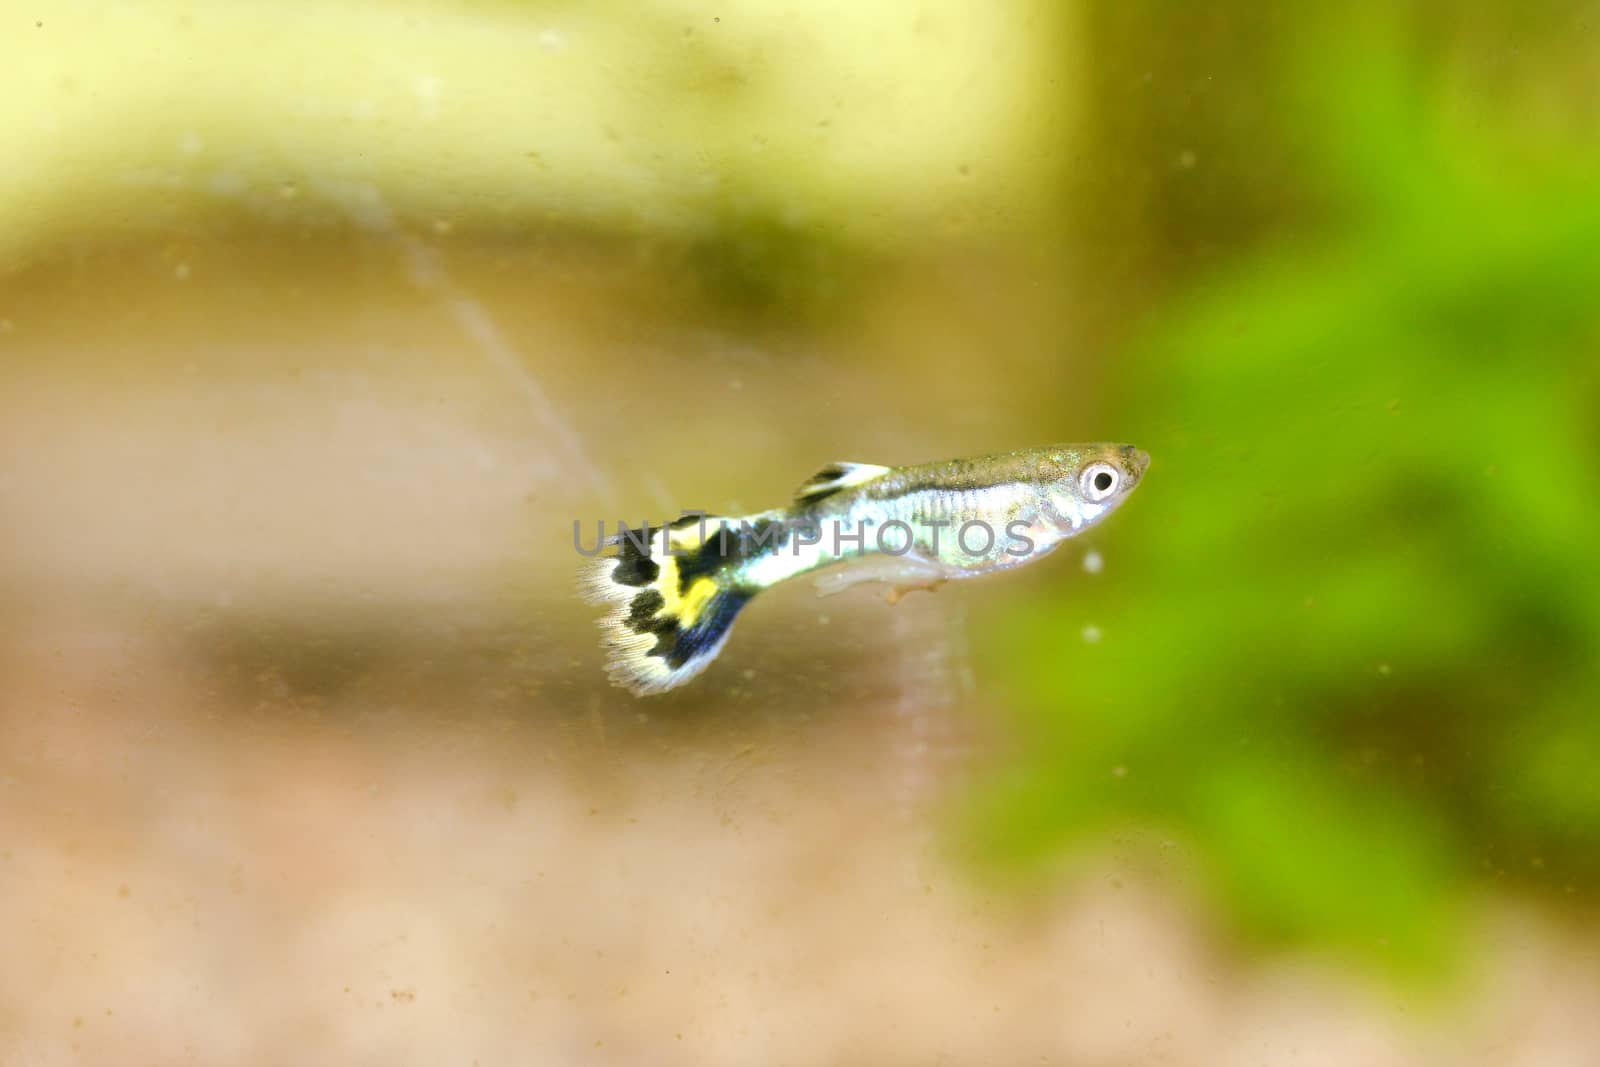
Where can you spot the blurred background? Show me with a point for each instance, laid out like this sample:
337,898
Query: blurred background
322,323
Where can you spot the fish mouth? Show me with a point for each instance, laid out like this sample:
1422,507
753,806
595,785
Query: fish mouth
1137,459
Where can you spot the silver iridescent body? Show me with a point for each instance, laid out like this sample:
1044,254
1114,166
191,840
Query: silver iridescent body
919,526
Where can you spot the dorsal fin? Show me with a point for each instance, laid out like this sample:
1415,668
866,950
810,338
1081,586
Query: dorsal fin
834,477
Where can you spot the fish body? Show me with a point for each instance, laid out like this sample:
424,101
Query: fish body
675,589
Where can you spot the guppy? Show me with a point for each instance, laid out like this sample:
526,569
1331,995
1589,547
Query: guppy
674,590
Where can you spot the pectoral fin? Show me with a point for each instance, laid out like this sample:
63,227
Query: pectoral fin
905,573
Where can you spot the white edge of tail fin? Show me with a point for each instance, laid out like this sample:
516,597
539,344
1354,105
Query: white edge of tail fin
630,666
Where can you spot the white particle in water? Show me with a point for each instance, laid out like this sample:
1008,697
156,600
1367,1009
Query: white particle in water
1093,562
427,90
1091,634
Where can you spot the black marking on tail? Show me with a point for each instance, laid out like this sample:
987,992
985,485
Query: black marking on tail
638,570
634,565
643,610
676,645
641,619
730,548
706,633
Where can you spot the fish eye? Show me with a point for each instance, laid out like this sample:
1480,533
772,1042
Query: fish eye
1099,480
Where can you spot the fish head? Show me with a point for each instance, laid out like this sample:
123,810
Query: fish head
1084,483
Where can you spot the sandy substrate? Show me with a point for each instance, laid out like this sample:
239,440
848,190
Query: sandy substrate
203,869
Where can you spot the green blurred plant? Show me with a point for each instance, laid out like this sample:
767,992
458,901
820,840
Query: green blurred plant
1351,641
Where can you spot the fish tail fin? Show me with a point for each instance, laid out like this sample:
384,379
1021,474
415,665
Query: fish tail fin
671,611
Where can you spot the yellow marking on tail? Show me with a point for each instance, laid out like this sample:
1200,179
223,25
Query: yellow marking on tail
694,603
666,584
685,608
688,538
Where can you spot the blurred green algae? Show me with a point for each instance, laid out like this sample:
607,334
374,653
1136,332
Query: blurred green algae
1352,621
